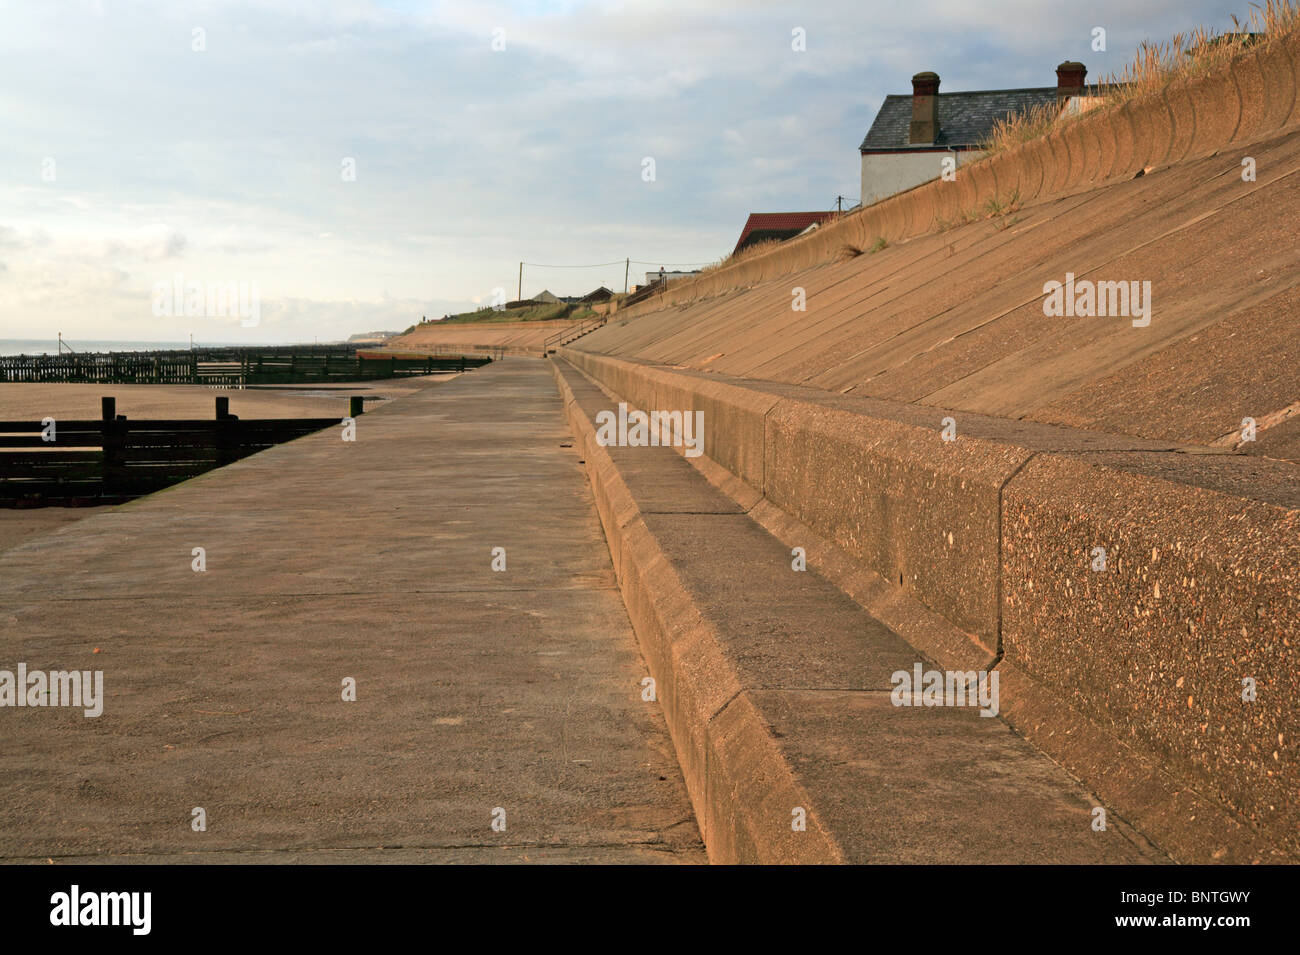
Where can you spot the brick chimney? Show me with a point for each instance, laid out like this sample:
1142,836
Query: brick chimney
1069,80
925,108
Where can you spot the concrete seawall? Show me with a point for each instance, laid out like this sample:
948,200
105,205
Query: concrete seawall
1142,665
776,688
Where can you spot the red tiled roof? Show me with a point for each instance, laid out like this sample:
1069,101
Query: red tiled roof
779,224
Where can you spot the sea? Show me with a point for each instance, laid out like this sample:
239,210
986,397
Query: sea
50,346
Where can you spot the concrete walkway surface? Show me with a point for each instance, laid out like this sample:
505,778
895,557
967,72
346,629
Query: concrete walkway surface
476,690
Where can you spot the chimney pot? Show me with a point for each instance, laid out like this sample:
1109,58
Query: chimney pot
925,108
1069,79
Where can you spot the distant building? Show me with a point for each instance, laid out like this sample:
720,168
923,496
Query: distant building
912,134
547,297
594,297
763,226
668,275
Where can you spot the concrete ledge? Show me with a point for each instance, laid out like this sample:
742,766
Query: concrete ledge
874,477
775,690
1200,591
1195,829
917,510
994,533
722,748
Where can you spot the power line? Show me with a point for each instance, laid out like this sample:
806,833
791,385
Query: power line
675,265
601,265
538,265
627,265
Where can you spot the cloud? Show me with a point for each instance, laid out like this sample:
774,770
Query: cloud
152,244
226,163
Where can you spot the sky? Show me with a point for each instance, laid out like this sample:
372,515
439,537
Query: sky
355,166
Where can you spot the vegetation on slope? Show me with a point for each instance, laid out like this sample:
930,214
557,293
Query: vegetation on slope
1156,66
529,313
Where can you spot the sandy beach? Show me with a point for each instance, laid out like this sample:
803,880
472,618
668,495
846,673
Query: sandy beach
29,402
24,402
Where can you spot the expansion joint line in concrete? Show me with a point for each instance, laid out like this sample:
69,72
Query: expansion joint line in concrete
763,490
998,652
857,690
723,708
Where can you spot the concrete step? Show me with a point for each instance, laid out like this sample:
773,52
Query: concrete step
777,691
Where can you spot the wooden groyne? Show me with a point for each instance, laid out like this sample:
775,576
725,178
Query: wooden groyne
69,463
228,367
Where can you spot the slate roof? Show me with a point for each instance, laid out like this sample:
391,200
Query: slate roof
964,118
761,226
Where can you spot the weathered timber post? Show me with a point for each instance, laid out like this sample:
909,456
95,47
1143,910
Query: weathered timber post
225,432
112,443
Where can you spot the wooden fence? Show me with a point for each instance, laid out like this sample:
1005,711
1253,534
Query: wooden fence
228,368
116,459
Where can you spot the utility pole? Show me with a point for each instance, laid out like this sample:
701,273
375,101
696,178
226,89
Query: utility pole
627,266
521,281
839,203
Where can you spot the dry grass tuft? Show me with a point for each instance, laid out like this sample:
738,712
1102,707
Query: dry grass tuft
1019,128
758,248
996,208
1156,66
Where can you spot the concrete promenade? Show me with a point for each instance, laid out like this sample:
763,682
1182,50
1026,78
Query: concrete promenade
327,561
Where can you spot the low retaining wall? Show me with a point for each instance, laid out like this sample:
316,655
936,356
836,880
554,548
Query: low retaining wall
1199,601
723,745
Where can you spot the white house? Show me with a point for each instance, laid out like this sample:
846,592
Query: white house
911,135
